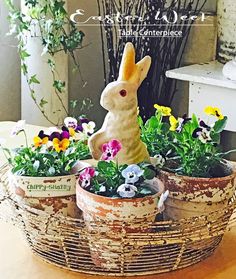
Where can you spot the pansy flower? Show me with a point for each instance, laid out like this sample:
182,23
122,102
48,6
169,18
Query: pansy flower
165,111
132,173
60,135
60,145
214,111
159,160
71,122
110,149
88,128
41,139
174,123
178,124
86,176
71,131
20,125
203,133
79,127
127,190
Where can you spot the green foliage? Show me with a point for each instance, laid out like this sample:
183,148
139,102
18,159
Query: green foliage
40,162
109,174
57,34
192,149
155,134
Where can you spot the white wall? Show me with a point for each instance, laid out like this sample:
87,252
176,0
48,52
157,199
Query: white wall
9,72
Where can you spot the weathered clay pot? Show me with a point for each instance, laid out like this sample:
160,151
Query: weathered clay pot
112,217
191,196
54,195
226,14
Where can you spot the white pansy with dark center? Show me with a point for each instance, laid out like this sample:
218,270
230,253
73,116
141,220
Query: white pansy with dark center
88,128
71,122
127,190
205,135
132,174
159,160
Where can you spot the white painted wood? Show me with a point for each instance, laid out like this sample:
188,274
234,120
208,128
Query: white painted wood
208,87
37,64
209,73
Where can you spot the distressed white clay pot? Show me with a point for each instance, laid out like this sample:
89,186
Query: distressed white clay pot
226,16
192,196
54,195
110,213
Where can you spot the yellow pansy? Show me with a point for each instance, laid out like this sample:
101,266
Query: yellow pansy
72,132
174,123
38,142
214,111
60,145
166,111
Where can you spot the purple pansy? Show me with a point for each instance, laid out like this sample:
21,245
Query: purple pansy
63,135
86,176
110,149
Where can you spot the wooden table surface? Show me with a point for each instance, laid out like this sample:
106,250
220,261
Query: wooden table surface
17,261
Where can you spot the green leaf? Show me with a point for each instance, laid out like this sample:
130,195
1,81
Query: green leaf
24,69
51,64
153,122
33,79
215,137
43,102
140,121
149,173
24,54
59,85
220,125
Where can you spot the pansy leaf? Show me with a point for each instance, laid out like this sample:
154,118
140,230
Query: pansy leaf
220,125
140,121
194,121
153,122
149,173
215,137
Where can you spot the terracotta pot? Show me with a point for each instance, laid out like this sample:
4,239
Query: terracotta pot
191,196
54,195
114,216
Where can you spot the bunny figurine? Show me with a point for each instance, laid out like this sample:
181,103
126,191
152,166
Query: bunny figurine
120,99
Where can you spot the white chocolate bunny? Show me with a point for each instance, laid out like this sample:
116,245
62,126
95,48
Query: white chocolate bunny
120,99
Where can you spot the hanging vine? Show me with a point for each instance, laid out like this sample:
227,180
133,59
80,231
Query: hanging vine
49,21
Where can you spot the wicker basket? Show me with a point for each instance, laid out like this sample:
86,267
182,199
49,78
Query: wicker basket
166,246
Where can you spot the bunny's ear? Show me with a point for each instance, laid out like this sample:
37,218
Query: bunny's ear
142,68
127,66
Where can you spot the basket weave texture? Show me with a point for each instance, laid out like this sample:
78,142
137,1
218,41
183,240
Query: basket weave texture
162,246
